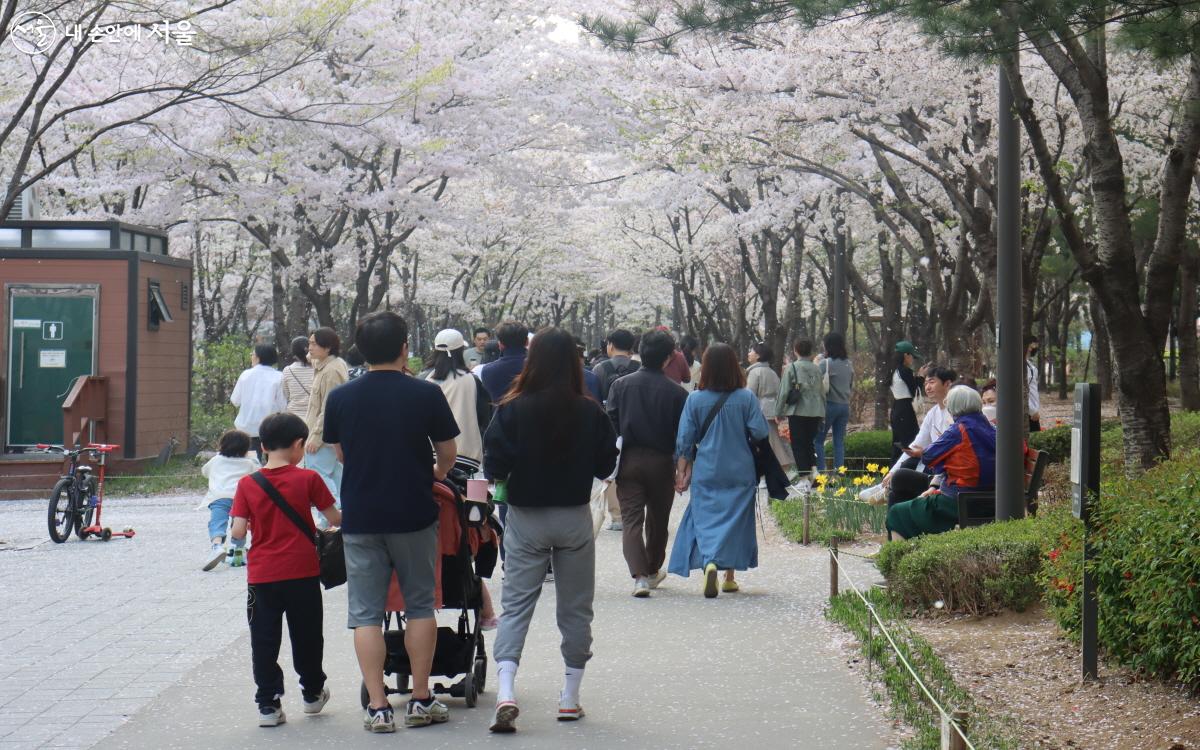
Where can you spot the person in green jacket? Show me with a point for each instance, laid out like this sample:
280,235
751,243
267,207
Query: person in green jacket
806,409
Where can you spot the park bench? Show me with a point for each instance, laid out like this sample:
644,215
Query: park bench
978,508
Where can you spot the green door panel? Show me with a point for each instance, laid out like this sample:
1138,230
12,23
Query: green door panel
51,343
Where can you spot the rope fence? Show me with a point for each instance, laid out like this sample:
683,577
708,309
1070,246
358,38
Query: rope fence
953,735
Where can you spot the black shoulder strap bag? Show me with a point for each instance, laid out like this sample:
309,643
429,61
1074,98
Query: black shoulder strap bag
330,551
712,414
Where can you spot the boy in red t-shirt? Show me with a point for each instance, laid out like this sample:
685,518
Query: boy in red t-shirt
283,571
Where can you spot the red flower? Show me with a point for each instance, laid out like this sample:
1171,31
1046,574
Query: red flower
1053,555
1070,588
1127,575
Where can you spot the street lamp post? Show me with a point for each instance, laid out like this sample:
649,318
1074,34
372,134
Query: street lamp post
1010,365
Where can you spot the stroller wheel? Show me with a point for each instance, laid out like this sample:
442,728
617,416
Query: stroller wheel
402,683
480,673
470,690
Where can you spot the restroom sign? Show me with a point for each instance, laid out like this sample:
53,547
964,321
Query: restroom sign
52,330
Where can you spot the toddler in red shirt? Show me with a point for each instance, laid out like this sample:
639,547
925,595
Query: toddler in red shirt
283,571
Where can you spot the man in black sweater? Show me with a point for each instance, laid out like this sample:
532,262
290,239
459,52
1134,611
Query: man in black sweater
645,408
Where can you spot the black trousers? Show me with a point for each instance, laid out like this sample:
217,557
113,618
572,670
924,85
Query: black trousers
904,425
299,599
907,484
804,432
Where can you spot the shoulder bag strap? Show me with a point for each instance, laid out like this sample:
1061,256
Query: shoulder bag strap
298,382
712,414
282,504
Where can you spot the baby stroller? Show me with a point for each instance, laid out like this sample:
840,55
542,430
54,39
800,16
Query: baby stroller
467,550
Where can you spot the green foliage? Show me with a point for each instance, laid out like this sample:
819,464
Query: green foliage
210,421
976,570
180,474
1055,441
1061,576
789,516
1146,562
862,447
216,366
908,701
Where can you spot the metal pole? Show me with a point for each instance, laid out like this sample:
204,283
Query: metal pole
1010,365
840,304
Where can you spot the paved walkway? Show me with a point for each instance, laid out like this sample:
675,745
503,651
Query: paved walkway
166,664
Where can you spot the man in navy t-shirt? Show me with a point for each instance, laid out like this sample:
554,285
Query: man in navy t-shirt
385,427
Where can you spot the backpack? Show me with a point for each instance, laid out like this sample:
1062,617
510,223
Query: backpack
610,372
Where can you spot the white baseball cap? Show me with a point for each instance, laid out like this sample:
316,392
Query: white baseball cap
449,340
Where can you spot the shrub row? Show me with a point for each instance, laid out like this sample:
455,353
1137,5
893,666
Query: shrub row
976,570
1146,563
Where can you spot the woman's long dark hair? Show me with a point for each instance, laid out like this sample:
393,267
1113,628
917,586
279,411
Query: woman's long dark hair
553,381
448,364
835,346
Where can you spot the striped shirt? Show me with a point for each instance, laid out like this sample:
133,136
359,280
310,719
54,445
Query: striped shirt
297,384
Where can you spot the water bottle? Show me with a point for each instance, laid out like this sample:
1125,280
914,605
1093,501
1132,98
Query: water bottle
500,494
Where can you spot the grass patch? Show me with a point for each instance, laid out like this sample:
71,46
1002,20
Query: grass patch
908,702
829,518
180,474
789,516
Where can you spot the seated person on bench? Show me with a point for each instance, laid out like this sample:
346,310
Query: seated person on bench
966,453
906,480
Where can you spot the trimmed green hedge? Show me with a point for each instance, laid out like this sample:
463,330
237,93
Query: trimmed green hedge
863,447
976,570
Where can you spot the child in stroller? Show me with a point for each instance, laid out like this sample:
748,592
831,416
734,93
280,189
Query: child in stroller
468,546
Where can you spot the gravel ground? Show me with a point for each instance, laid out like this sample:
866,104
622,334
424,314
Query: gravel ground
103,641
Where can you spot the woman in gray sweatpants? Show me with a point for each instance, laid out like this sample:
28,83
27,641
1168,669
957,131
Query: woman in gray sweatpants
547,440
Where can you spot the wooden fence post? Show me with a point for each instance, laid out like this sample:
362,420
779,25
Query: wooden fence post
951,739
833,567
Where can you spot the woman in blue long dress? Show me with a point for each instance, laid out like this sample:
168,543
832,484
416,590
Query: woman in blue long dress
717,530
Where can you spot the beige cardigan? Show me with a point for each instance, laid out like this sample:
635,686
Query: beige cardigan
329,374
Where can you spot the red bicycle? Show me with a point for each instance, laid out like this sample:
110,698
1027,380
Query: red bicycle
79,495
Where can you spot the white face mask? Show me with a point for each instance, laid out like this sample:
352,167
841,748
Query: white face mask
989,411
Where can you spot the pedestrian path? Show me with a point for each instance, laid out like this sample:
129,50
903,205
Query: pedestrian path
758,669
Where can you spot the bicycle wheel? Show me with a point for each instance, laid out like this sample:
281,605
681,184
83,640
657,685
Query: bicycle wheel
60,516
84,511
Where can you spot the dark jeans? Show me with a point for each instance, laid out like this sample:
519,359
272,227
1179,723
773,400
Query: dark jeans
907,484
646,491
804,432
266,605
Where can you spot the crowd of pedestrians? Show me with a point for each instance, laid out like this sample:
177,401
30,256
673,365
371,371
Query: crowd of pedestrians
557,435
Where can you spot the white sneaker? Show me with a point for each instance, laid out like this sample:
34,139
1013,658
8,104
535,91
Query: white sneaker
801,487
876,495
641,587
271,716
658,578
569,710
216,555
314,707
378,720
504,721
